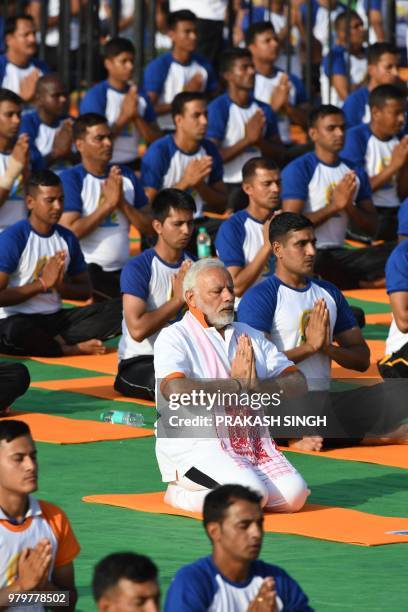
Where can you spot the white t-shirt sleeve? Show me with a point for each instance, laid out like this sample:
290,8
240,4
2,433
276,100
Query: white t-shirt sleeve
170,356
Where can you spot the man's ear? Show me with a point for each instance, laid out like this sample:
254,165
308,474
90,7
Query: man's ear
277,249
312,133
190,298
213,530
157,226
246,188
29,201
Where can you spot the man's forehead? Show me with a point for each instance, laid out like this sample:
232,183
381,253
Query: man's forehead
180,214
50,190
335,119
195,105
6,106
265,173
307,233
242,510
98,130
215,276
24,25
22,444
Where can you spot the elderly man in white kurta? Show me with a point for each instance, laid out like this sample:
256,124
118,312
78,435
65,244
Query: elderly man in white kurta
206,351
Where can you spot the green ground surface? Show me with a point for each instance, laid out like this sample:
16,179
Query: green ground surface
337,577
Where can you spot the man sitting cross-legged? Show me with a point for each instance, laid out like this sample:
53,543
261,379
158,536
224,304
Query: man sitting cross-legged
40,262
206,353
151,285
37,544
233,578
311,322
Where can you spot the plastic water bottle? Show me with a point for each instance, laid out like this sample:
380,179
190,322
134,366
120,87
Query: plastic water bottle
134,419
203,243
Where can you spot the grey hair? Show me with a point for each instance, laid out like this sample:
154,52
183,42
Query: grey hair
190,279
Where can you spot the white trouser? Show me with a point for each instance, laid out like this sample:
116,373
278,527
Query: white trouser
283,492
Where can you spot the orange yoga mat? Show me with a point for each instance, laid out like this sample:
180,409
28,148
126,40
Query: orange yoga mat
106,364
394,455
379,318
97,386
320,522
368,295
60,430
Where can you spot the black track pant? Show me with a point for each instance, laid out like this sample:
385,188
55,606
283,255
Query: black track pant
14,381
34,334
135,377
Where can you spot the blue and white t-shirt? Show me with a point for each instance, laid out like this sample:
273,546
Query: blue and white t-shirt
164,165
403,219
282,311
362,7
339,66
107,101
200,586
263,90
373,154
14,208
320,21
11,75
23,255
309,179
41,137
107,245
226,124
167,77
147,277
356,109
396,279
239,240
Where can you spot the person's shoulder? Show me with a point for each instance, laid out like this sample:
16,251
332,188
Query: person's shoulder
263,569
77,172
18,231
399,254
98,89
305,163
202,60
331,288
141,262
220,102
197,571
30,119
161,62
40,65
263,291
359,131
209,147
65,233
162,145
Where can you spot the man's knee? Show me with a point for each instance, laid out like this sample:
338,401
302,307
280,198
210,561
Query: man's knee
294,492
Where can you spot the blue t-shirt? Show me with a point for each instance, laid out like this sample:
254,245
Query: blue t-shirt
396,280
23,254
41,137
200,586
226,124
164,165
166,77
283,311
355,107
108,244
309,179
107,101
403,219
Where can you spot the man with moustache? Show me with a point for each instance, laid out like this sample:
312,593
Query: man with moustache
207,352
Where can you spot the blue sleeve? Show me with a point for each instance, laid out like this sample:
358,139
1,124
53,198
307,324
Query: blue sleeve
212,82
72,185
155,74
3,64
293,598
355,147
352,112
37,161
271,121
339,65
188,592
135,276
12,243
375,5
364,192
155,163
77,264
94,101
295,181
229,242
41,66
140,198
149,115
396,269
345,318
301,96
218,111
217,169
257,306
403,219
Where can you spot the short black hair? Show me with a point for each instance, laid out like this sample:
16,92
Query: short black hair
287,222
171,198
176,16
257,28
6,95
231,56
380,95
221,498
342,19
109,571
183,98
44,80
11,23
322,111
116,46
251,166
83,122
42,178
11,429
377,50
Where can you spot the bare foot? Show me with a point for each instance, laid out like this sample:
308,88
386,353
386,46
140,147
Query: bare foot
90,347
379,283
308,443
398,436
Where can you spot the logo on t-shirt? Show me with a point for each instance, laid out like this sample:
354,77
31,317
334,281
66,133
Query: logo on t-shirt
112,219
304,320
